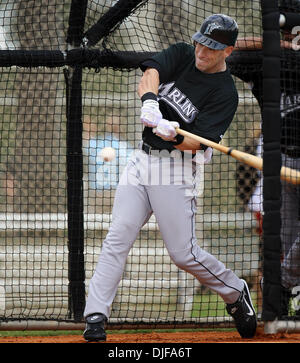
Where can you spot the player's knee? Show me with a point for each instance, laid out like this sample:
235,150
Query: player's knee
189,258
122,230
182,259
119,239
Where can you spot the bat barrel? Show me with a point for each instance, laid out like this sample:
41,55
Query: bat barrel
290,175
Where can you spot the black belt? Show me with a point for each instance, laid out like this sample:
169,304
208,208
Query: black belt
147,148
150,150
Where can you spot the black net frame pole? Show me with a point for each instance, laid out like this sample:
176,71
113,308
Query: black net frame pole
110,20
271,160
73,78
83,57
76,271
76,22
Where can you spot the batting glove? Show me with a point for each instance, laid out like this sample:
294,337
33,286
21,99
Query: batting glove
150,114
166,129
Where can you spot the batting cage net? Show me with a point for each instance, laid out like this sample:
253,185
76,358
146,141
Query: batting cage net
69,76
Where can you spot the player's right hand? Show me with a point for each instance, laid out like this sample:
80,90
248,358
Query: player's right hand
150,114
166,130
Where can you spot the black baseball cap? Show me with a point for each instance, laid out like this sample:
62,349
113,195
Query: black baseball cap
218,31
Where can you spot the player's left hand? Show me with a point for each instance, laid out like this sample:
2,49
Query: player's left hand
150,113
166,129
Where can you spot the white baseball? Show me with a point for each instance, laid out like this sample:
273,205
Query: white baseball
108,153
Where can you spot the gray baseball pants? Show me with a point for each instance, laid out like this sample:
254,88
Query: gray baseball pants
154,184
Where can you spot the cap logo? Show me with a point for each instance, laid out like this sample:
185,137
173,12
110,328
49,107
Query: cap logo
211,27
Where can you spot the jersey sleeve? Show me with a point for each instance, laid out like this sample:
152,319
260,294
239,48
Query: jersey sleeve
168,61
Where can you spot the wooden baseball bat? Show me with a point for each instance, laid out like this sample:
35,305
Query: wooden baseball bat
287,174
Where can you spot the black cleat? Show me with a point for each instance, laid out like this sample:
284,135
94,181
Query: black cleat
95,328
243,314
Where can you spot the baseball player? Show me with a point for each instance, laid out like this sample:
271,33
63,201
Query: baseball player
187,86
290,145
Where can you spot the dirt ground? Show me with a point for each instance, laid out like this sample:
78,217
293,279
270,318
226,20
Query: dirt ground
164,337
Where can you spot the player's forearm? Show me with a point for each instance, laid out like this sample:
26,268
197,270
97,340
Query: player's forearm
189,144
149,82
249,43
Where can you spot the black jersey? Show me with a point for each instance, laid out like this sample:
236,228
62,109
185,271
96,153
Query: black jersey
251,72
202,103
